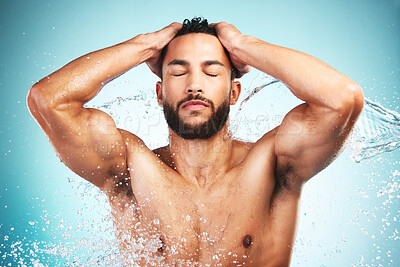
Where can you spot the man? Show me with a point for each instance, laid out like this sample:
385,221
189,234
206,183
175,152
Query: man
204,199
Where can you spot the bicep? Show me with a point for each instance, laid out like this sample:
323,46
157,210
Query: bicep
87,141
309,139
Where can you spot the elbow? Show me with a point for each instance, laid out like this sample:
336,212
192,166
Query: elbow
353,101
357,97
36,100
356,91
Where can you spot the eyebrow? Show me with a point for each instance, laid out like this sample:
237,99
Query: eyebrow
185,63
179,62
212,62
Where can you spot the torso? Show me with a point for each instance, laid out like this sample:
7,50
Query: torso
242,219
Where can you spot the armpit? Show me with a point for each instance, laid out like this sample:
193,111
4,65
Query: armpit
120,187
286,179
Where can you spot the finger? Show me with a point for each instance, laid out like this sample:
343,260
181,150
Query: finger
216,25
154,69
174,26
242,71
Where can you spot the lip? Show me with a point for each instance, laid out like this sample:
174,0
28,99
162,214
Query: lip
194,105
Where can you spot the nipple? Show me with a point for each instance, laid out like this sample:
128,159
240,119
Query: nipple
162,248
247,241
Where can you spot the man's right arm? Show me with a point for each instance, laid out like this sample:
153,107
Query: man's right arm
86,139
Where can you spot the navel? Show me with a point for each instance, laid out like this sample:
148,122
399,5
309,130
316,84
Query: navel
247,241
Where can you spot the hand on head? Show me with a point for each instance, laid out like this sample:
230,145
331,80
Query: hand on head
229,36
160,39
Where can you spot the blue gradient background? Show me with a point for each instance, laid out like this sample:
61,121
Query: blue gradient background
358,38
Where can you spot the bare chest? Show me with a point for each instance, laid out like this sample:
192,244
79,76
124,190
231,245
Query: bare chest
176,223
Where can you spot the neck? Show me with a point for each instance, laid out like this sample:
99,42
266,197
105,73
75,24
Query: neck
199,161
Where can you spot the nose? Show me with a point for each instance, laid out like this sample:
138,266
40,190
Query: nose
195,84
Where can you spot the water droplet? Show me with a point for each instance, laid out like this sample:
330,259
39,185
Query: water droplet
215,257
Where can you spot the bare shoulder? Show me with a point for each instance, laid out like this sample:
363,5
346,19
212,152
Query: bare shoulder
260,160
136,147
131,140
120,188
284,177
262,151
255,163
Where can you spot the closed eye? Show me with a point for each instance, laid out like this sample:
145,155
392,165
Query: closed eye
211,75
179,74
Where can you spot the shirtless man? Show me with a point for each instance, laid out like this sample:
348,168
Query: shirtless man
204,199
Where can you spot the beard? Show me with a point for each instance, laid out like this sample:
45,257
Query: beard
203,130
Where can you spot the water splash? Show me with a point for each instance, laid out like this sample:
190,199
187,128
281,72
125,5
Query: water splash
139,114
259,83
253,119
377,131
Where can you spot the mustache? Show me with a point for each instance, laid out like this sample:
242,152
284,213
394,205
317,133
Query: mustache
195,97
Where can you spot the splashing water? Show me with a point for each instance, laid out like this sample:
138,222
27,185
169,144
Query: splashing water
82,236
259,83
377,131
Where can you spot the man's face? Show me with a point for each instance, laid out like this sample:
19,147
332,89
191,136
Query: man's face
196,90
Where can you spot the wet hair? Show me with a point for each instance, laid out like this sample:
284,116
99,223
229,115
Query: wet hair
196,25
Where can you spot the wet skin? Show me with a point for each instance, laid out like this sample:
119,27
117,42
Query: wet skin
237,220
213,202
187,216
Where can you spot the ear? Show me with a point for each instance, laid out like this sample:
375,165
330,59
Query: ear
235,92
159,93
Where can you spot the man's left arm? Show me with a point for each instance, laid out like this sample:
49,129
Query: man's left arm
312,134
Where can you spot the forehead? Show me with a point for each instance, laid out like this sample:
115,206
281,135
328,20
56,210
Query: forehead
195,48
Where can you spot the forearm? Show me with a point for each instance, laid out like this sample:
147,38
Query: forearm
80,80
310,79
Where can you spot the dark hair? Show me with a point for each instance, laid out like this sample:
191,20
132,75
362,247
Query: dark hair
196,25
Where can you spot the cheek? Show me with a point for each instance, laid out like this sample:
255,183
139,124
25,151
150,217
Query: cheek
171,95
169,90
223,82
218,89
